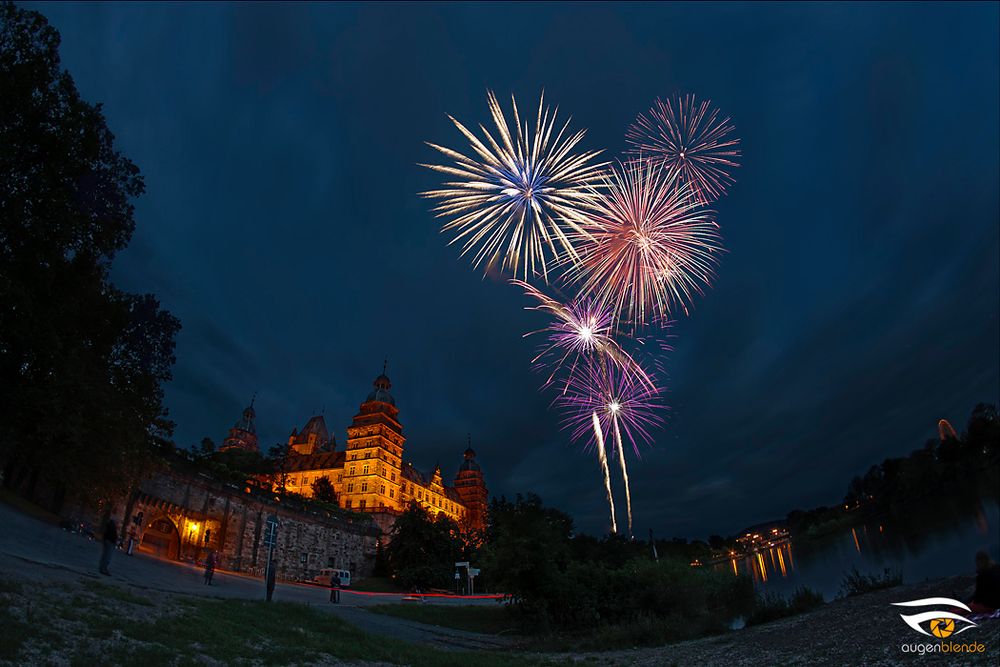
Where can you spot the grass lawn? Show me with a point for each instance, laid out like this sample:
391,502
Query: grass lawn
96,623
491,619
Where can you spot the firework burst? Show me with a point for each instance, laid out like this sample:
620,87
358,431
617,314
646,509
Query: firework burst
599,399
600,386
649,246
689,136
580,329
518,199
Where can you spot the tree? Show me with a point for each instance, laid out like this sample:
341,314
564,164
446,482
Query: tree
528,546
983,432
82,363
323,490
422,551
206,448
277,467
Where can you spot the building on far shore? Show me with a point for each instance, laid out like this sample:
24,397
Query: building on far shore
370,475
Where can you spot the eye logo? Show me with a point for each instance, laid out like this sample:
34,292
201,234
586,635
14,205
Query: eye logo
942,627
942,623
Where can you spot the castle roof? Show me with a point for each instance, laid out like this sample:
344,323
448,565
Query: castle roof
380,393
470,461
316,425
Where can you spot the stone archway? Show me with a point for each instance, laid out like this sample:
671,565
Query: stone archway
161,538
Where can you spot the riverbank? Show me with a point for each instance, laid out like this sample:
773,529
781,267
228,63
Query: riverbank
862,630
70,619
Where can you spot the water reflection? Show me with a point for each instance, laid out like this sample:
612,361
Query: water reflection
922,543
774,561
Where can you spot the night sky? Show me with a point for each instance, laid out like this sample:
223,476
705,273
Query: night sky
856,306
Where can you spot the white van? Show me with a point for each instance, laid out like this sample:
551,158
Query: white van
325,577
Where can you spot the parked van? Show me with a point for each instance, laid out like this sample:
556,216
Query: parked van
325,577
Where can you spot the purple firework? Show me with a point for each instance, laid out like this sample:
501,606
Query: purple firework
580,329
622,402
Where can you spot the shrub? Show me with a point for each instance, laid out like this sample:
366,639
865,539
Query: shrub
657,600
856,583
771,607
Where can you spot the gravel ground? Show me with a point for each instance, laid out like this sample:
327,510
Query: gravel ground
858,631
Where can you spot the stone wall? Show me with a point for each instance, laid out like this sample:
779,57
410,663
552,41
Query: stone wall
184,515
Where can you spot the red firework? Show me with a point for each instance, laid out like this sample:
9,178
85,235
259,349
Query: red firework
649,247
688,136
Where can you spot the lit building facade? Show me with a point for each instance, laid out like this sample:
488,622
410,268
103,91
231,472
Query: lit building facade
371,476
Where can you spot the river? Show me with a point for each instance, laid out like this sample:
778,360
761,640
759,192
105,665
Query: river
925,544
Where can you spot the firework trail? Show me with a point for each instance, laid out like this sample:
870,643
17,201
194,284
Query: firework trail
621,460
649,247
602,456
599,398
518,199
690,137
580,329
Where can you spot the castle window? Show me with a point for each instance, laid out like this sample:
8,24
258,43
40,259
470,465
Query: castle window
382,489
392,493
362,504
351,472
340,477
347,504
305,481
350,488
291,481
364,486
393,477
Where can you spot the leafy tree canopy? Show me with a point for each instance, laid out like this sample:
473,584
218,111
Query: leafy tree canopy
82,363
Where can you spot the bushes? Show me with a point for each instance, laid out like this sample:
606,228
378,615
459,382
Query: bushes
856,583
772,607
656,600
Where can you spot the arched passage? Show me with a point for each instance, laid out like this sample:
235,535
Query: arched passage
161,539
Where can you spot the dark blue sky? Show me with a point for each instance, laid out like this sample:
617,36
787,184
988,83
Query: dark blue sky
857,304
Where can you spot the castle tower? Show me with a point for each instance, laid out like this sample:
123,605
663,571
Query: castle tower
471,488
372,467
243,434
314,438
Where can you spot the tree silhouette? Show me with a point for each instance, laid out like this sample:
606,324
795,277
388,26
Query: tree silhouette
82,363
323,490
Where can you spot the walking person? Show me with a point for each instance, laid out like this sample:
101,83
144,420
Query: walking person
109,543
335,588
209,567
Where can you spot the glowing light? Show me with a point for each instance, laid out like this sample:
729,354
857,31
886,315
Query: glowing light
688,136
615,408
598,398
519,197
579,330
595,386
648,247
602,458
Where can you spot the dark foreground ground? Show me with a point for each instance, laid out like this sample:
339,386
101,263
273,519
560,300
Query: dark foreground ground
56,610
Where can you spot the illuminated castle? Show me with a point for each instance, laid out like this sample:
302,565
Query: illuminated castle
371,476
243,434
